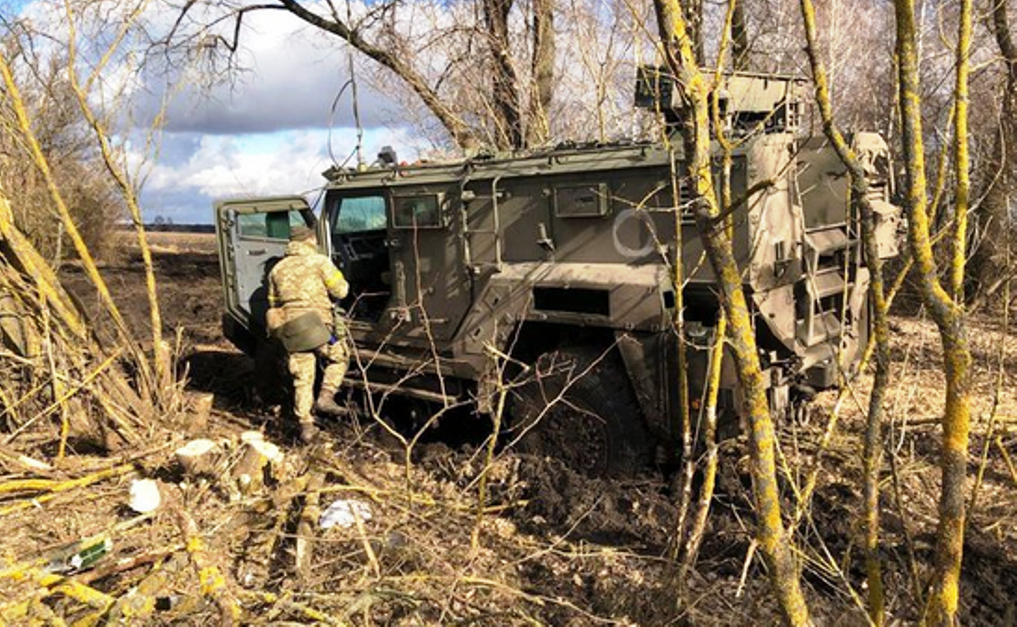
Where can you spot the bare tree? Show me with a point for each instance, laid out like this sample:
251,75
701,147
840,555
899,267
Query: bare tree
64,139
516,103
771,534
877,294
945,303
96,70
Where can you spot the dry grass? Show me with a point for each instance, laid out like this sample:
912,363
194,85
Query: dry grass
555,547
165,242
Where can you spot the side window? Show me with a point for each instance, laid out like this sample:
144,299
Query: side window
275,225
581,201
647,195
361,213
423,211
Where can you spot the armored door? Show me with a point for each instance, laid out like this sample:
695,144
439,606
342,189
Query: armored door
252,236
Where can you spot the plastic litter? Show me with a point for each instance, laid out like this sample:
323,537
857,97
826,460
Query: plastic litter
145,496
79,555
344,513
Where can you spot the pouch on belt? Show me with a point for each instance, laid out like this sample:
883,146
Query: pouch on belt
304,333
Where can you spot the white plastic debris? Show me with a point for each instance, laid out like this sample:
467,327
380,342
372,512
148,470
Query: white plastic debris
344,513
145,496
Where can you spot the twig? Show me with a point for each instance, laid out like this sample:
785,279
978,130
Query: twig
65,396
690,548
745,568
916,583
56,485
993,411
1007,459
212,581
293,606
305,528
365,542
489,459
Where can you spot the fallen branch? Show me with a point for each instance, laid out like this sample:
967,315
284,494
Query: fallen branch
290,605
1007,459
305,528
140,601
213,583
56,485
53,583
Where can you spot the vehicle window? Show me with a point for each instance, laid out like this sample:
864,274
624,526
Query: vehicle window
645,195
581,201
362,213
417,211
274,225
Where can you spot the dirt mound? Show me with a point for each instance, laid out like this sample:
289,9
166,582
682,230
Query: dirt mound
639,515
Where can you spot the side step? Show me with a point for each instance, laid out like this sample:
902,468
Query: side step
402,389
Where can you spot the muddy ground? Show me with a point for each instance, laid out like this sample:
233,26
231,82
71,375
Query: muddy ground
552,547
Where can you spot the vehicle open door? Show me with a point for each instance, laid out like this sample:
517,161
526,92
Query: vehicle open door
253,235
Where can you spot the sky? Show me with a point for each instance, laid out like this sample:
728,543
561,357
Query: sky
272,131
276,127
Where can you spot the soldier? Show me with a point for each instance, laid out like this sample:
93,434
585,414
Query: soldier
306,282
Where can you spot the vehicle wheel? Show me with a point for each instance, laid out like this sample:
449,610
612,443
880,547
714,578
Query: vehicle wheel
577,406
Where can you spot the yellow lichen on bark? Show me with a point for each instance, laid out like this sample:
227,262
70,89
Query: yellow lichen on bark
859,189
773,540
946,308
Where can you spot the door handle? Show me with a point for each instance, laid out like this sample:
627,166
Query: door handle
253,253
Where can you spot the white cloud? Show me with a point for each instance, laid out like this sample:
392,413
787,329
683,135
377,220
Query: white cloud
200,168
267,134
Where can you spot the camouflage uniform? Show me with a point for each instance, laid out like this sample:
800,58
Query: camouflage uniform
307,281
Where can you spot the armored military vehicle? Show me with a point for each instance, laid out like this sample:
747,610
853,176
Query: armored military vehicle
552,272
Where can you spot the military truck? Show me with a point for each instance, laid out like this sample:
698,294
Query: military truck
551,274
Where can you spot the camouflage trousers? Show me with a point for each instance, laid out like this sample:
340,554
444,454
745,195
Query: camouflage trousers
336,358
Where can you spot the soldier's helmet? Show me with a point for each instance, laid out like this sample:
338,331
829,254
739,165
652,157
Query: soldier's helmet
301,234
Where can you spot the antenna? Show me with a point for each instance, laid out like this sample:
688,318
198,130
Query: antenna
352,83
356,113
356,99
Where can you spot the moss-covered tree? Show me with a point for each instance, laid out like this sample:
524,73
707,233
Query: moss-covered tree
679,53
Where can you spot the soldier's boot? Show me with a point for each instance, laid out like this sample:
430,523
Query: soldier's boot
308,432
326,403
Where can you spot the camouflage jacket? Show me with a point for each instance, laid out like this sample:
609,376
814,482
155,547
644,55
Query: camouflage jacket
305,280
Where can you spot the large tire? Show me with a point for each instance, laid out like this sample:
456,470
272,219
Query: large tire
576,405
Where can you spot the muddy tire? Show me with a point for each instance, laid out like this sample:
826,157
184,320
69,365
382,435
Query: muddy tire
578,407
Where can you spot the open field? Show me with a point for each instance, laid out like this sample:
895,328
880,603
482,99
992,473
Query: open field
550,547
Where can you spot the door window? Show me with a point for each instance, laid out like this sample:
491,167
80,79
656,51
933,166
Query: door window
417,211
275,225
362,213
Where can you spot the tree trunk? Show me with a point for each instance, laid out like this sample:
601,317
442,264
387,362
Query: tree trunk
504,83
872,448
941,608
772,537
999,173
542,82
